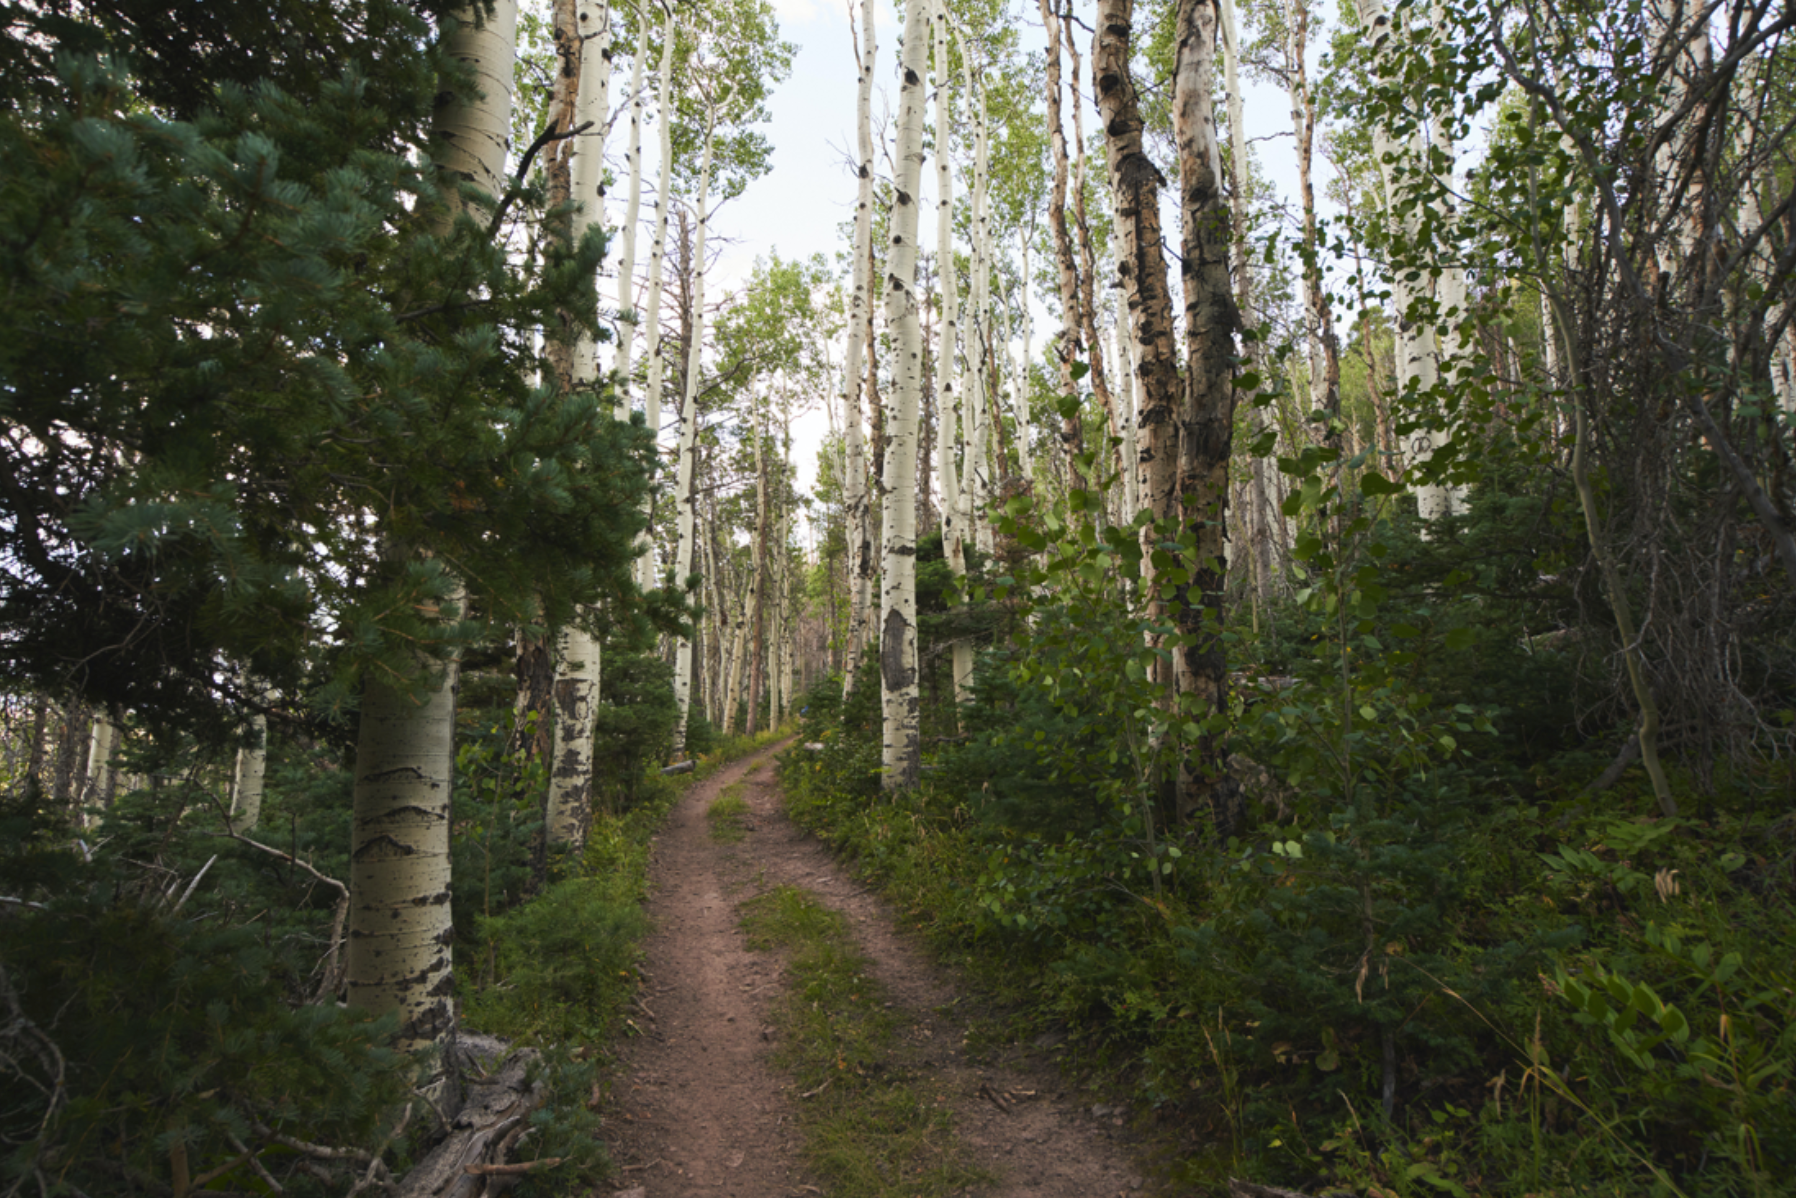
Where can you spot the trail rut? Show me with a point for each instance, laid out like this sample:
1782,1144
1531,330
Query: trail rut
699,1107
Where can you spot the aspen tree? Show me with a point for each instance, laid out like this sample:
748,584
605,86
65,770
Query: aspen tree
953,416
251,767
1127,390
757,576
979,492
626,261
898,623
1201,666
569,809
1417,352
1020,395
1324,356
652,347
1135,184
683,494
399,933
1259,503
857,513
1088,317
1072,435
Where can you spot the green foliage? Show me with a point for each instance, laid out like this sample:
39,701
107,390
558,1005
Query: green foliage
560,966
872,1126
191,439
176,1037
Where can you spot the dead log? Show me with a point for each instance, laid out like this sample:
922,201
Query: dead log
496,1102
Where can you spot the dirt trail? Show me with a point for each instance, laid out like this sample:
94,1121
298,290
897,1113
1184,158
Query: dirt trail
699,1107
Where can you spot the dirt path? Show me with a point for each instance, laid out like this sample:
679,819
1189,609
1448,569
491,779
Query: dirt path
699,1107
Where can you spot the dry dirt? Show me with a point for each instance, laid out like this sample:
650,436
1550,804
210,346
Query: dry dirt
698,1105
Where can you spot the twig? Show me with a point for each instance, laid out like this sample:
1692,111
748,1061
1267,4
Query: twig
517,181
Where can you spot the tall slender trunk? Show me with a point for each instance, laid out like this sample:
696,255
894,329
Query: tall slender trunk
1201,665
626,261
1087,274
1021,396
757,586
1135,182
689,425
953,416
569,802
399,932
898,623
1072,435
1259,505
252,765
860,323
653,349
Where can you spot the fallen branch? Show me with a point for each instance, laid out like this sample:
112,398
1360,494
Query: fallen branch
517,1167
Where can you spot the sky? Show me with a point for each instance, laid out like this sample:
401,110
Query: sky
798,207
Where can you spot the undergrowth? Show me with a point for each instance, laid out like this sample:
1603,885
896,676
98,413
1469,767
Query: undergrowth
874,1127
1460,983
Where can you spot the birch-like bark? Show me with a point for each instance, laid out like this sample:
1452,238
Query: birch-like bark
652,348
1259,504
1087,274
1072,435
400,933
577,656
626,261
978,493
1135,182
1201,665
898,600
689,427
1020,396
858,515
757,585
96,791
252,766
952,416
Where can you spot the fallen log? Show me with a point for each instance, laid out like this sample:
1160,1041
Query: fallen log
679,767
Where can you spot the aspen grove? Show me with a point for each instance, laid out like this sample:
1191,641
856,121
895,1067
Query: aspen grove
1267,530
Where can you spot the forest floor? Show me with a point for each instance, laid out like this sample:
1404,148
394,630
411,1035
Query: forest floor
701,1102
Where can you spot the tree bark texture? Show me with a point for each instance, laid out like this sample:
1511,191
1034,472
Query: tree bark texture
898,601
1205,441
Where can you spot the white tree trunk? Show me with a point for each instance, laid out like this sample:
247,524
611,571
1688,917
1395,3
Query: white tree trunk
96,790
576,693
246,785
399,926
953,417
977,493
857,513
1025,458
898,600
652,349
689,432
400,933
626,262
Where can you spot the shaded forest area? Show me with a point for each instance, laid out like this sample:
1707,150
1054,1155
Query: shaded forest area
1337,683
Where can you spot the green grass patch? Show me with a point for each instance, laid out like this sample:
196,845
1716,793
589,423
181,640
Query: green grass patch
728,814
874,1127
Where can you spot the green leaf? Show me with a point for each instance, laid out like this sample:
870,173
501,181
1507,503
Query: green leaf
1460,638
1374,483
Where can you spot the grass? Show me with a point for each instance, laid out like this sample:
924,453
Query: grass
728,814
873,1127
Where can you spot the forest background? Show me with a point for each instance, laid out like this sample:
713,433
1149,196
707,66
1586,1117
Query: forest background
1356,679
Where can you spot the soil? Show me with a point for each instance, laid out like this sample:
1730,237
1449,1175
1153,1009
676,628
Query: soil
699,1107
